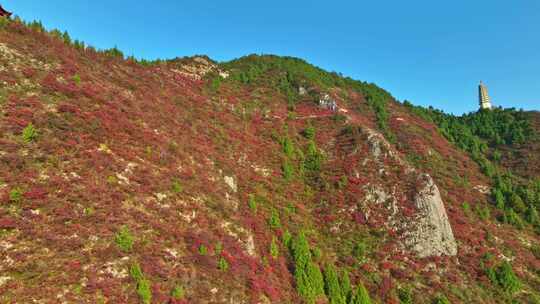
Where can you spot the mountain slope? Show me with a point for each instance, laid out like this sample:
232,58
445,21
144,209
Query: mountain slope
260,180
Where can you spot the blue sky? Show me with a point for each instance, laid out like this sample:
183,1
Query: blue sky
428,52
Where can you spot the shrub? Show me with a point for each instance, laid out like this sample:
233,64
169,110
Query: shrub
360,250
332,286
309,132
15,195
287,239
361,296
143,285
345,283
3,22
223,265
499,198
482,212
215,83
274,248
77,79
29,133
176,186
274,220
532,215
504,277
441,300
466,208
66,38
308,277
252,203
313,158
203,250
287,170
405,296
507,278
535,249
178,292
512,218
144,291
517,203
288,147
124,239
218,249
136,272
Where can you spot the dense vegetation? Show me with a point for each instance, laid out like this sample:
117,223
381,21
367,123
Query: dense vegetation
480,134
288,74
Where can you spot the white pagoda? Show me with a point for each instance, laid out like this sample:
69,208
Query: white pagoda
483,97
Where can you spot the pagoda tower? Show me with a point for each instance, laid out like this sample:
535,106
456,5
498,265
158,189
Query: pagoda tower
483,97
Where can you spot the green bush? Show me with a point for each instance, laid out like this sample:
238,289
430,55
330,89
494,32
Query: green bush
143,285
332,286
29,133
535,249
512,218
77,79
361,296
504,277
124,239
274,222
16,195
442,299
308,277
345,283
313,160
178,292
466,208
176,186
405,296
360,250
223,265
274,248
309,132
517,203
252,203
507,278
203,250
483,212
288,170
287,239
136,272
288,147
144,291
3,22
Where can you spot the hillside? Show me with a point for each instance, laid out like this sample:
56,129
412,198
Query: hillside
259,180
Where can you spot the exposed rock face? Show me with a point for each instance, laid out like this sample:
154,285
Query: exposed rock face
430,234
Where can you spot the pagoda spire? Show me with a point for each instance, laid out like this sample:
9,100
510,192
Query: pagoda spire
483,97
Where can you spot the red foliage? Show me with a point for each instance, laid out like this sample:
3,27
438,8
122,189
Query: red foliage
36,193
8,223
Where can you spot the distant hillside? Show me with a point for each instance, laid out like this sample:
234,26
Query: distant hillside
260,180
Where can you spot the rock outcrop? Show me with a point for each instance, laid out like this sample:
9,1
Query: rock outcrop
430,233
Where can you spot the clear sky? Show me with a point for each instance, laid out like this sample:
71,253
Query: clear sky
428,52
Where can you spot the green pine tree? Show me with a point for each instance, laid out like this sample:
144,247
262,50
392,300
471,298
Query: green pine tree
332,286
361,296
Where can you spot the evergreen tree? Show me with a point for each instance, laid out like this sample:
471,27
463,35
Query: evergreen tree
345,283
332,286
361,296
308,276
